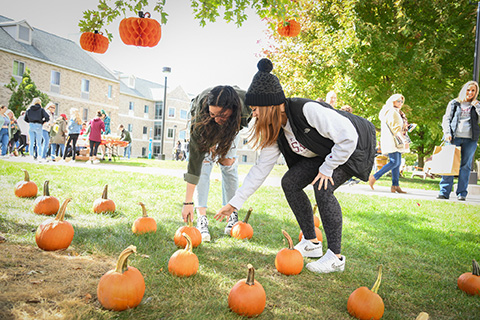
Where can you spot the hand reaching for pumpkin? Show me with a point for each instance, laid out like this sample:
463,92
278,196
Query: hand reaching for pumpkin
187,210
225,212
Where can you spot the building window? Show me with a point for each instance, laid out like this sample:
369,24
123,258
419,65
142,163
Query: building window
183,114
182,135
170,133
145,109
55,78
157,131
130,127
85,114
85,85
130,106
109,92
158,109
145,130
244,158
245,141
171,112
144,151
56,110
18,68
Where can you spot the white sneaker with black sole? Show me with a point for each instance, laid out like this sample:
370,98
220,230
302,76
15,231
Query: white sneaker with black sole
231,222
328,263
202,226
309,249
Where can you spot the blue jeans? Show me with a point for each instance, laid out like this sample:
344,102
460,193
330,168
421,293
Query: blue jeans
127,151
44,147
35,132
229,178
395,160
54,149
466,157
4,140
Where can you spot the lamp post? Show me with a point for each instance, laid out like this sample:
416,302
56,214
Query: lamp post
166,71
473,175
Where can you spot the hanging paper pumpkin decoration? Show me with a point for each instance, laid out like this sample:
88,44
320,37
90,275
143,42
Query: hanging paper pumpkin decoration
142,31
289,28
94,42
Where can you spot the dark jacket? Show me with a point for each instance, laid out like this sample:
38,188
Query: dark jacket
455,116
125,136
360,162
36,114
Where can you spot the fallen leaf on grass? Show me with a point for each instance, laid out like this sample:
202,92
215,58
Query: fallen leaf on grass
87,297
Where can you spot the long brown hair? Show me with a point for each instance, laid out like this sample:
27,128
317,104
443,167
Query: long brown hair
209,132
267,126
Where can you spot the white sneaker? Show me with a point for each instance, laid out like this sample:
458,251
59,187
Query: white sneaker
309,249
96,161
231,222
72,161
202,226
328,263
88,162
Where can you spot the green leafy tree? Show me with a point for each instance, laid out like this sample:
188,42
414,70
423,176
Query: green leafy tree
369,50
23,93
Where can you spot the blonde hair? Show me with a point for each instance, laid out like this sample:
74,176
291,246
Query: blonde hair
267,126
50,104
462,96
37,101
75,114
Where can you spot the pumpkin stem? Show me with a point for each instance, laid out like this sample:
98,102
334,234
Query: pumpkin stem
105,192
289,239
61,212
248,215
315,207
27,177
189,246
46,192
189,221
144,210
475,268
379,280
122,265
251,275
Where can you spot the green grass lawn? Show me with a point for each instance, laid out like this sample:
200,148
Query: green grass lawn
422,245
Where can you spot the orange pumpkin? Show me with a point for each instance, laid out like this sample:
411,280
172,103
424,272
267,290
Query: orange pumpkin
123,287
193,233
470,281
318,233
104,204
94,42
247,297
184,263
26,188
288,28
142,31
55,234
366,304
316,219
289,261
46,204
242,229
145,223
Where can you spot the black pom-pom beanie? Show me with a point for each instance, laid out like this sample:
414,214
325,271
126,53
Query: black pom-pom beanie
265,89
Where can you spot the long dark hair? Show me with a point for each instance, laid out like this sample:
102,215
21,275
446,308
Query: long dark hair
210,133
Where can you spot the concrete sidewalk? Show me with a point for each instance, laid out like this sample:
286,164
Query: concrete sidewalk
360,188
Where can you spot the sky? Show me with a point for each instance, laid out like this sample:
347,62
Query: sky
200,57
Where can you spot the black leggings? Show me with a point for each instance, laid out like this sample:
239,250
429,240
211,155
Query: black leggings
73,137
94,148
23,143
295,180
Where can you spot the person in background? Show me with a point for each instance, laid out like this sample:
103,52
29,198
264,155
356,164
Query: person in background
47,126
95,136
125,136
4,121
58,135
36,116
393,140
321,145
178,150
75,126
84,128
13,133
106,121
460,127
23,125
331,99
217,116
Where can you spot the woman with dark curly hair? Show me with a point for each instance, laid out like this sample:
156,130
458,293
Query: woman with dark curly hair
217,115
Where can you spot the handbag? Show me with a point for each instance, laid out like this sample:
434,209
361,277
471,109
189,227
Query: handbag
446,160
398,141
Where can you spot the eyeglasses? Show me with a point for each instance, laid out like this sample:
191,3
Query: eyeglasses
399,101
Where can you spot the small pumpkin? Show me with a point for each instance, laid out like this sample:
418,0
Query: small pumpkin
316,219
366,304
470,281
318,233
184,263
94,42
247,297
145,223
141,31
242,229
288,28
26,188
46,204
193,233
422,316
289,261
104,204
55,234
123,287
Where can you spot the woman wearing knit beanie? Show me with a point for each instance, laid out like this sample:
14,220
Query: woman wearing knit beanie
322,146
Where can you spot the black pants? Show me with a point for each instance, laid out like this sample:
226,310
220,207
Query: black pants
23,143
295,180
73,137
94,148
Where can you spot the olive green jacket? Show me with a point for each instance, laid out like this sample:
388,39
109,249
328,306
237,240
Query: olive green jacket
196,157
